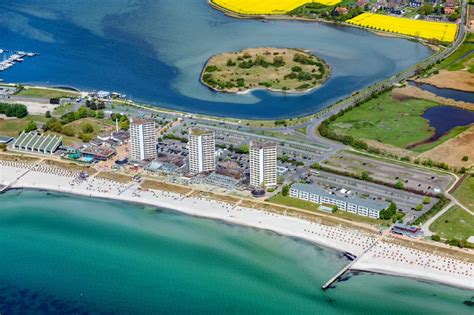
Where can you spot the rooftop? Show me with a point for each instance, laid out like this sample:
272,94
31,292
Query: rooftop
260,144
142,121
317,190
199,131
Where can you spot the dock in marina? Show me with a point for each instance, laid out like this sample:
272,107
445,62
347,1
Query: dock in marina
16,57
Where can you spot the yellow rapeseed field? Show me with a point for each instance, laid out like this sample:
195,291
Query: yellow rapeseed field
266,6
445,32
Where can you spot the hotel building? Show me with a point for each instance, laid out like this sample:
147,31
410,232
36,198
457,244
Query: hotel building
202,148
356,205
142,140
263,164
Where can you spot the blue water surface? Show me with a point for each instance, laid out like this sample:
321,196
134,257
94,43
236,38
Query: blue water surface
154,51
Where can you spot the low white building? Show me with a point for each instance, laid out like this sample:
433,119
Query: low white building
352,204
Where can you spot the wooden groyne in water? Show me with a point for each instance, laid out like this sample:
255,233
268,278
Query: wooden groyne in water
346,268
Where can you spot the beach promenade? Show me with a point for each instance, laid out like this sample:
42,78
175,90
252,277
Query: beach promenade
389,256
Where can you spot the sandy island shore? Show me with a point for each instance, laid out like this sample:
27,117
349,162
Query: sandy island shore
386,256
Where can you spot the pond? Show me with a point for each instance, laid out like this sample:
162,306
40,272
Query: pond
456,95
445,118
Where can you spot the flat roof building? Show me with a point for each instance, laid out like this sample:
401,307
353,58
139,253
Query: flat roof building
142,140
35,142
356,205
202,149
263,164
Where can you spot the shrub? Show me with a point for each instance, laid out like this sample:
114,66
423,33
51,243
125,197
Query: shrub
435,237
285,190
399,185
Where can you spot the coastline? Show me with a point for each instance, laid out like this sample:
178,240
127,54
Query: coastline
286,17
354,241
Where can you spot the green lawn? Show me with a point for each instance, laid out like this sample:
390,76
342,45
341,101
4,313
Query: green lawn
465,193
63,109
387,120
303,130
45,93
306,205
13,127
455,223
293,202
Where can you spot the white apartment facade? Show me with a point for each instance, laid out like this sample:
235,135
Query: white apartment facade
311,193
202,150
263,164
142,140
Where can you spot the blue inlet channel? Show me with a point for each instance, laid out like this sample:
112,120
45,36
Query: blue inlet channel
154,51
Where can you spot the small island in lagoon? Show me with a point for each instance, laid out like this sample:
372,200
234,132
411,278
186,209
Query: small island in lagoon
275,69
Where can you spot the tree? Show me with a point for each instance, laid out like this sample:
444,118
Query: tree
47,114
435,237
388,213
426,200
31,126
86,137
399,185
285,190
87,128
68,131
465,158
100,114
124,124
419,207
425,9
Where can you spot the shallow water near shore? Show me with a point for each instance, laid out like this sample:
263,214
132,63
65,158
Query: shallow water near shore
154,51
67,254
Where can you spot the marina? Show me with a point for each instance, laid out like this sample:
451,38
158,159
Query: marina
16,57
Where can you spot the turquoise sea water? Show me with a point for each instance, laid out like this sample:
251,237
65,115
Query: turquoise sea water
65,254
154,51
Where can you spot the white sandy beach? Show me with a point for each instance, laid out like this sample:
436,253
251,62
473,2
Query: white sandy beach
384,257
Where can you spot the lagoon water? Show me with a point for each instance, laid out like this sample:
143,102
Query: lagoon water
445,118
62,254
153,50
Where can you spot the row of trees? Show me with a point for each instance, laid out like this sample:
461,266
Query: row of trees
13,110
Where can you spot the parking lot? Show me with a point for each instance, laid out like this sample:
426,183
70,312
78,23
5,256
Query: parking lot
412,177
405,201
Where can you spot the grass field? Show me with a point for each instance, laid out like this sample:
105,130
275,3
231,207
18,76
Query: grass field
462,58
253,7
293,202
465,193
397,122
444,32
46,93
451,134
455,223
13,127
